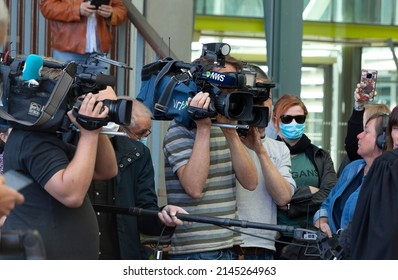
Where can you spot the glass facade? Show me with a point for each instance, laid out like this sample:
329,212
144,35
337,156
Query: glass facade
330,28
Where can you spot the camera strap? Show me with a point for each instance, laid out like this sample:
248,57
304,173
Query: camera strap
89,123
199,113
165,96
59,93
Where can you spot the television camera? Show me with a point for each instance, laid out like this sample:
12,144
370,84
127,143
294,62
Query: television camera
238,96
34,86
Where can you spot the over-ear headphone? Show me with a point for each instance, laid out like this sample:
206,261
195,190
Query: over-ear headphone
381,138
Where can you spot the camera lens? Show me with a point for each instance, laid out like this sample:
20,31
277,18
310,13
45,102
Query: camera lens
119,110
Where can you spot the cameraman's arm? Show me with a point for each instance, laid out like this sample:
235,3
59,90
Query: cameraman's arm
193,175
105,165
70,185
242,163
275,177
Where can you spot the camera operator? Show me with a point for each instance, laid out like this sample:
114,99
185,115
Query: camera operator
201,169
57,204
275,188
8,197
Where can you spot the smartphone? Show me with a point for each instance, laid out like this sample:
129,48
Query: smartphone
98,3
17,180
368,83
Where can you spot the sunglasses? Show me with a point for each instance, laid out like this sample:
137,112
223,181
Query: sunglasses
288,119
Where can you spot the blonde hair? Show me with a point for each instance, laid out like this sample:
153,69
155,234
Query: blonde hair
371,109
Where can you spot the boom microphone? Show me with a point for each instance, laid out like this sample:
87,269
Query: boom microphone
100,79
135,211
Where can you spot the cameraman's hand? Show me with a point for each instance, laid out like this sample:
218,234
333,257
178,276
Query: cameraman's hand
253,140
168,215
90,109
201,100
108,93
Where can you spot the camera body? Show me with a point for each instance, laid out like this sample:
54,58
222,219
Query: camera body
119,110
41,104
161,89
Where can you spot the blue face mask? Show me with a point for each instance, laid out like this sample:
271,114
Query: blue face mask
144,140
292,131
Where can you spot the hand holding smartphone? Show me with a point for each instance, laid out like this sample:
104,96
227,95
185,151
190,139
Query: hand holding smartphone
367,85
98,3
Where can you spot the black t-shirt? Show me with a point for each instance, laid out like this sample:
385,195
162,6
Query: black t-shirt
67,233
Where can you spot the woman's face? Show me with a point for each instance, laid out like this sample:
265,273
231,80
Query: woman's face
291,112
367,147
394,136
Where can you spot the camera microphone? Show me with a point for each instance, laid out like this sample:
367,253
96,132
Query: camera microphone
32,67
100,79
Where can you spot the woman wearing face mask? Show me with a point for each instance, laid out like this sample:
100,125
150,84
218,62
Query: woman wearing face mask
312,169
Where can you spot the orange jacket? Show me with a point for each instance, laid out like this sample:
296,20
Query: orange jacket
68,29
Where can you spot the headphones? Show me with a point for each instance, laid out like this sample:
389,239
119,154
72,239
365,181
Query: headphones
381,138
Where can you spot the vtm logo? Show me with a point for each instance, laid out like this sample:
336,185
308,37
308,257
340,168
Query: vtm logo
215,76
179,105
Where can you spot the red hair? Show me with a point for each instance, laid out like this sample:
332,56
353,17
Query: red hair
284,103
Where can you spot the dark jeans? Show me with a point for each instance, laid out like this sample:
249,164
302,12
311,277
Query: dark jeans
223,254
267,256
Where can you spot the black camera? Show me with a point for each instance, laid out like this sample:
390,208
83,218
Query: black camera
119,110
167,84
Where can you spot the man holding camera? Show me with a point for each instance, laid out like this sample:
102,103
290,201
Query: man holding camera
202,166
8,196
276,184
56,204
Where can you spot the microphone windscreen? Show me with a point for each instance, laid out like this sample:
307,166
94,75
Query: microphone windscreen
105,80
32,67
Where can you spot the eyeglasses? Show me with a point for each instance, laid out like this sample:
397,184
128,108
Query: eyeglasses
138,135
288,119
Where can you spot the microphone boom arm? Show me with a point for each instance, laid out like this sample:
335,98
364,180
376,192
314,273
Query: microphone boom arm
135,211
